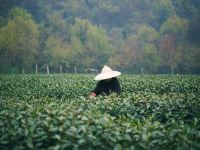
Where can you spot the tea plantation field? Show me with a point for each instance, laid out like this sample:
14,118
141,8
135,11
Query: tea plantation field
54,112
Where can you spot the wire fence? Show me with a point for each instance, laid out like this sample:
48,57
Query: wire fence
51,70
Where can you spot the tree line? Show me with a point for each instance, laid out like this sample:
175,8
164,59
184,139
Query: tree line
157,36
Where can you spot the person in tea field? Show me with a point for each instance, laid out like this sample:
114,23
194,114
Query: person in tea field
108,83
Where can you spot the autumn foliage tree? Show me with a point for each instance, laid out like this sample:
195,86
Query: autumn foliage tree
173,32
139,51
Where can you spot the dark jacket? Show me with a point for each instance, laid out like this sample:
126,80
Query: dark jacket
107,87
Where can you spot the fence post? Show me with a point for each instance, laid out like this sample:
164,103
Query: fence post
60,69
48,70
75,70
172,69
23,71
12,71
36,69
142,71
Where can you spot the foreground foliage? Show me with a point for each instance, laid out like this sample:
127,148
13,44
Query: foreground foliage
54,112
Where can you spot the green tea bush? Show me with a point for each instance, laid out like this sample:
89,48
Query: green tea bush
55,112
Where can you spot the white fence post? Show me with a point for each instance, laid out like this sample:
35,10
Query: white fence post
60,69
47,69
36,69
75,70
142,71
172,69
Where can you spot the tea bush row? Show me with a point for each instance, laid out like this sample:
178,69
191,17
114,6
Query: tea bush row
55,112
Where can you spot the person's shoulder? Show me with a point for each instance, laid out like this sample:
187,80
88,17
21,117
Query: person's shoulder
114,79
100,82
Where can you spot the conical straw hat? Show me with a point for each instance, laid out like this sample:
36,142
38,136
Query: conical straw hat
107,73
